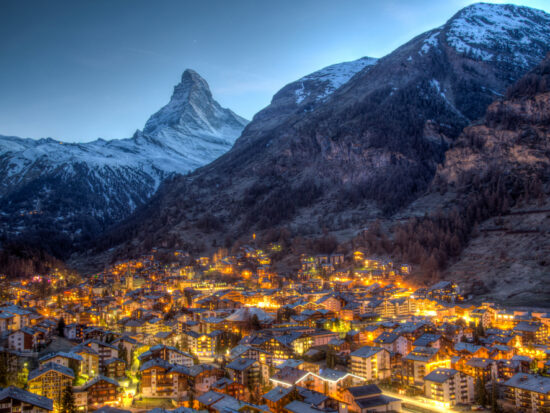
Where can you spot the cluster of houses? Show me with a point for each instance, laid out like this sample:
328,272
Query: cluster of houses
345,334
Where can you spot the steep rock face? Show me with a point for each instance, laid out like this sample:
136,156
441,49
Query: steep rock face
507,260
193,124
59,193
372,145
514,136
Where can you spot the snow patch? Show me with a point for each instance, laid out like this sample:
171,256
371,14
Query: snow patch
430,42
329,79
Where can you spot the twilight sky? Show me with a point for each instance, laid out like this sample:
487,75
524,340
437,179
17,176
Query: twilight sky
78,70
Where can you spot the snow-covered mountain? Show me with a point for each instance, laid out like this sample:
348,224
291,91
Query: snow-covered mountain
312,161
483,31
82,187
318,85
304,95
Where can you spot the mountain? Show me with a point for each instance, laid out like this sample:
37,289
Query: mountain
508,259
69,192
484,221
365,151
303,95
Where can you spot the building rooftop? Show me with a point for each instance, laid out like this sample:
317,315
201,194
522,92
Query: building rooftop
421,354
530,382
49,367
364,391
301,407
289,376
26,397
366,351
370,402
440,375
241,364
277,393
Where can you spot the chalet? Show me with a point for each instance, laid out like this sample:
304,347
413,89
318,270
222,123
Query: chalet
420,362
71,360
245,371
393,342
278,397
501,352
17,317
288,376
199,344
531,332
518,364
198,378
468,350
481,367
90,360
25,339
446,291
481,316
527,392
371,363
97,392
50,380
105,350
114,368
449,387
156,379
168,353
16,400
229,387
331,383
331,302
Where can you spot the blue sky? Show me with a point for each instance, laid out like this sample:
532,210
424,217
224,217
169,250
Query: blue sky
78,70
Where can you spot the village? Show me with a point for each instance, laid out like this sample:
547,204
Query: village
227,333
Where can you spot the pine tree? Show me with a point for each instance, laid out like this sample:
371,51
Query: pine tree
480,391
494,397
331,358
123,353
61,327
255,323
67,402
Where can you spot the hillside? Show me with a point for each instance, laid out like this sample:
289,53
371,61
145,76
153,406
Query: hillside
484,222
364,152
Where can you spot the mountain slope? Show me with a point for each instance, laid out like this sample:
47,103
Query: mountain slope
370,147
508,260
484,223
302,96
72,191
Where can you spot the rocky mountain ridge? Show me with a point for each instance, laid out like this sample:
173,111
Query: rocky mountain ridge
73,191
363,152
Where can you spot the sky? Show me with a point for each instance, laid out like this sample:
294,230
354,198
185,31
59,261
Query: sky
79,70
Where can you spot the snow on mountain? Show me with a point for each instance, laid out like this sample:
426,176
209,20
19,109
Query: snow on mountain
479,30
430,42
303,95
309,161
118,175
331,77
193,112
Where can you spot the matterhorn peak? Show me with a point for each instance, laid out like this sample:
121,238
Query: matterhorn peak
192,109
192,86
